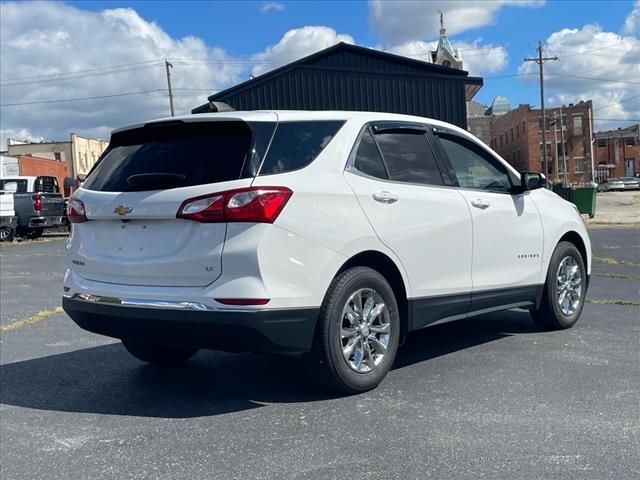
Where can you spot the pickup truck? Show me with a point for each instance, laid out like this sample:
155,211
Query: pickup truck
38,204
8,219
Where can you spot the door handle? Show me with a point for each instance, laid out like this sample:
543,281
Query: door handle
385,197
480,203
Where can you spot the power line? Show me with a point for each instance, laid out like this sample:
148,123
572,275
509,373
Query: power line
84,98
73,72
616,103
76,77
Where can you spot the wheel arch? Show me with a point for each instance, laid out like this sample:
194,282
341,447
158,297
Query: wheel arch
384,265
576,239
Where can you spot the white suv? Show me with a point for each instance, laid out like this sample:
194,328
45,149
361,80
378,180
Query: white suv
327,235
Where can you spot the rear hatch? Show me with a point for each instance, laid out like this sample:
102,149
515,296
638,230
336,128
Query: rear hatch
133,194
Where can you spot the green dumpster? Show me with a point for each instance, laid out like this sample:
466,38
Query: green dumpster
585,200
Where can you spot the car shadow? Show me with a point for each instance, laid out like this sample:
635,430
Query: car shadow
107,380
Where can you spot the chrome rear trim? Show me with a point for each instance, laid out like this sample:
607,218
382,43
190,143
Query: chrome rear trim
143,303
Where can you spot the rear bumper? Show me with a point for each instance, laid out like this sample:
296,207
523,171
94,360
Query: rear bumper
49,221
268,331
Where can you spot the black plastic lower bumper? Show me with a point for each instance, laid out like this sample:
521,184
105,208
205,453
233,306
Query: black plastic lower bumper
266,331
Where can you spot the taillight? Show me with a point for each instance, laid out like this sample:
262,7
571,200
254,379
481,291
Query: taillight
75,211
253,204
243,301
37,203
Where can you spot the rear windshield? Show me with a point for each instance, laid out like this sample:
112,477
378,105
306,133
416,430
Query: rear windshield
178,154
46,185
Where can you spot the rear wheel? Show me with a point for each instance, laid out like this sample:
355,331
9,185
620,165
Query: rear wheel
357,334
158,354
7,234
564,290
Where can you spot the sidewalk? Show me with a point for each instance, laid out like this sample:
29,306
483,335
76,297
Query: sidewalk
616,208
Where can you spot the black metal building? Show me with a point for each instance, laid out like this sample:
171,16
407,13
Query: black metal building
348,77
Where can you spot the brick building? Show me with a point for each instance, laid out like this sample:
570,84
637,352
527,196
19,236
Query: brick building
517,137
617,153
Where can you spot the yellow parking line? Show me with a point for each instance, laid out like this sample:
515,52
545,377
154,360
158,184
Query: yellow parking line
43,315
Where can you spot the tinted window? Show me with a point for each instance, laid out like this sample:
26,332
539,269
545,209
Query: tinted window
473,167
296,144
172,154
17,186
46,185
368,159
408,158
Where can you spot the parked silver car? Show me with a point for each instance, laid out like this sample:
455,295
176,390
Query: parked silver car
631,183
611,185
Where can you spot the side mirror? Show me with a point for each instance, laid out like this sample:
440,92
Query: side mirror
532,181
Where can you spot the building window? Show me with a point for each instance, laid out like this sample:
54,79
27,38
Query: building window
561,165
518,131
577,125
602,142
512,134
523,128
629,141
581,164
548,149
501,140
560,151
57,156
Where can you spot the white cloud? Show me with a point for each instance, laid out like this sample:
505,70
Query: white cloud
295,44
593,53
401,21
632,22
272,7
20,134
477,59
42,38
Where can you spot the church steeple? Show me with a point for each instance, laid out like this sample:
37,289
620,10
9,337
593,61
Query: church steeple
444,54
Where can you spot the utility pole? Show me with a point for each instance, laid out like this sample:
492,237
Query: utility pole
167,65
540,61
555,143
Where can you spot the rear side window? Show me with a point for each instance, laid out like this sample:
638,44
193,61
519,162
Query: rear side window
368,159
409,158
179,154
17,186
296,144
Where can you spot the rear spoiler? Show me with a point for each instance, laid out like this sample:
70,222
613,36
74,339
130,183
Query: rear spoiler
213,107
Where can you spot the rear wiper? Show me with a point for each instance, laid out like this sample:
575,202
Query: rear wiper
153,181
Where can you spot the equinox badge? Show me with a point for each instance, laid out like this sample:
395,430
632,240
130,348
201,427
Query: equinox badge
122,210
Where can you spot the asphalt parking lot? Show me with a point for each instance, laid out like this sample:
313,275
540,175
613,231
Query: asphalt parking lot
492,397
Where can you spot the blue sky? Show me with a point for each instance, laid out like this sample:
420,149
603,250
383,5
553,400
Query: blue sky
242,29
214,45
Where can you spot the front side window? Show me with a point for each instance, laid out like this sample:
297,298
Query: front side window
408,157
296,144
368,159
473,167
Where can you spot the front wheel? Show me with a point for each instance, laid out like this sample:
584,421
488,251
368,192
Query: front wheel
564,290
159,354
357,333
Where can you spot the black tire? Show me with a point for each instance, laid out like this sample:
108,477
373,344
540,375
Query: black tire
326,362
158,354
550,315
7,234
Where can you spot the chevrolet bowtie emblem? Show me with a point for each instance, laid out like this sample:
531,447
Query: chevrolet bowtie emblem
122,210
